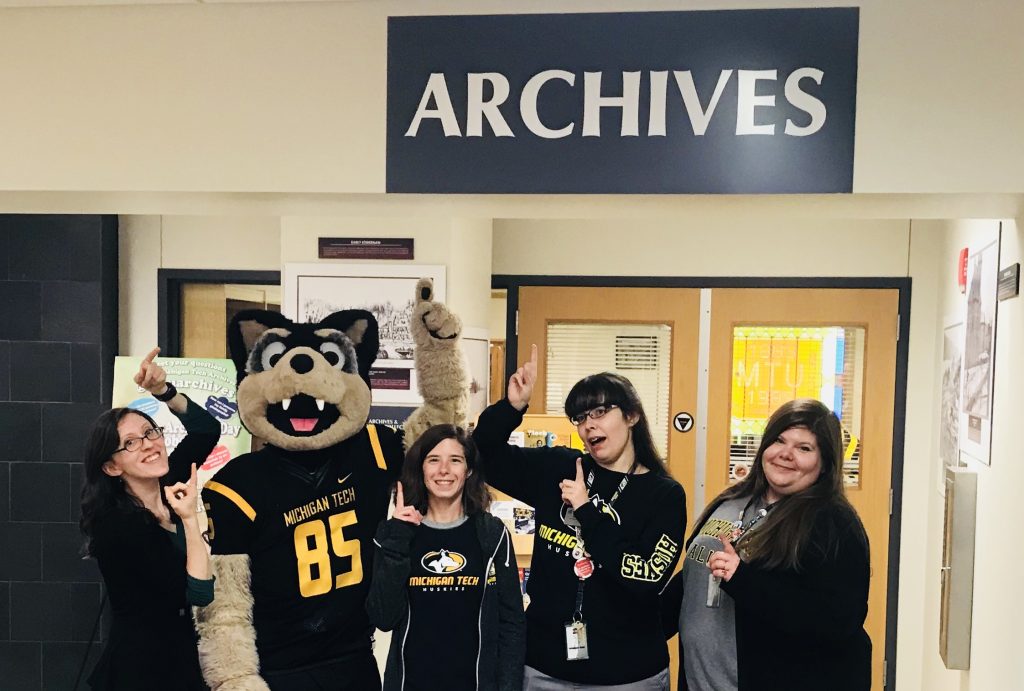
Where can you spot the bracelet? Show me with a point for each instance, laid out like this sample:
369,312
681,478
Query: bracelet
167,395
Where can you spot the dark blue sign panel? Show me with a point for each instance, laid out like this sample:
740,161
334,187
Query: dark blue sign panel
733,101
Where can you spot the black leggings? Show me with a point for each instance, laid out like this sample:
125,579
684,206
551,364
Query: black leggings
355,672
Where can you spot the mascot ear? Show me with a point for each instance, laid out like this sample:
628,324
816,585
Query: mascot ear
361,327
245,328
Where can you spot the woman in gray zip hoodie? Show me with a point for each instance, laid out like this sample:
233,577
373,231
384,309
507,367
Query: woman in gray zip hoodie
445,578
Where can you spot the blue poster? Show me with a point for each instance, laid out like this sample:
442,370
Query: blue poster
697,102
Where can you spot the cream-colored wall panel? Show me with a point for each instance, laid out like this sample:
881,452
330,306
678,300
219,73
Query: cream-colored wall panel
221,242
713,245
917,614
224,98
138,261
994,637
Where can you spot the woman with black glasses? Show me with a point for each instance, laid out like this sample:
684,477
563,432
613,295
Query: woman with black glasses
609,532
139,520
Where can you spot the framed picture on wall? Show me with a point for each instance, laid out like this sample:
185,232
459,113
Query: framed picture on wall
979,351
312,291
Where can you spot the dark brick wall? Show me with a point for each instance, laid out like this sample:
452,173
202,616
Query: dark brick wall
58,339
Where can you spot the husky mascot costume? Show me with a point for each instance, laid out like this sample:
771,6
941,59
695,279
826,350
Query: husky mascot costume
291,525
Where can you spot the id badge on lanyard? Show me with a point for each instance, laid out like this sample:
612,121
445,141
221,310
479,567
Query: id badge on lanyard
576,641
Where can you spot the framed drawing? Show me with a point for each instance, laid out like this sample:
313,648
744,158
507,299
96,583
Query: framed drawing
312,291
979,352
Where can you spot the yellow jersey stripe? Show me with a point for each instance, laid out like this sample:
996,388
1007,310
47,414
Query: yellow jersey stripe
378,453
233,496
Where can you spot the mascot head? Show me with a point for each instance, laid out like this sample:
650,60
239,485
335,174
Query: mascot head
303,386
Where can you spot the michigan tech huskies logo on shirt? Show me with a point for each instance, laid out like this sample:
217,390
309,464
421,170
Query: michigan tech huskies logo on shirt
443,561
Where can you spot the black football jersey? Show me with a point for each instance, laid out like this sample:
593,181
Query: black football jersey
307,522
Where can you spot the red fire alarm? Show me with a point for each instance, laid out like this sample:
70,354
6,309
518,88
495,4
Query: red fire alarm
961,271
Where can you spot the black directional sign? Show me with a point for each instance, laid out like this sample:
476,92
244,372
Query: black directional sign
683,422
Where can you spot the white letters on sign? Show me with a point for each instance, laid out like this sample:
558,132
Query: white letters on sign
753,105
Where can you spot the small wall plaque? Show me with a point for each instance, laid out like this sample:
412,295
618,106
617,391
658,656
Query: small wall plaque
1009,282
365,248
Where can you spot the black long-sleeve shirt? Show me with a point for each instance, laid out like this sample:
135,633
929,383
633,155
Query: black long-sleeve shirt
818,610
635,545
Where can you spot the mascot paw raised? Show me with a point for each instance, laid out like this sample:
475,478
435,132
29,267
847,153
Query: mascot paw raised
441,369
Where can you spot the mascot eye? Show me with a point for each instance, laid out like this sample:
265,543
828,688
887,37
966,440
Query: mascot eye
332,353
271,354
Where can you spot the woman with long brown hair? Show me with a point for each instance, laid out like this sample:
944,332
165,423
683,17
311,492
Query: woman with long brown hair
139,520
445,578
774,586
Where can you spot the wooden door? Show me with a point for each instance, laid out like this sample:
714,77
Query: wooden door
677,308
870,317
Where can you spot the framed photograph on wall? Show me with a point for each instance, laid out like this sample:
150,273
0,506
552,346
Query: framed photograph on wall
312,291
979,352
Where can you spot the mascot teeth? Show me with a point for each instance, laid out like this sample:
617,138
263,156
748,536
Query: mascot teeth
320,404
285,402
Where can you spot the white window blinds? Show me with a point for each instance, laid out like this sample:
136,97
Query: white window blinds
639,352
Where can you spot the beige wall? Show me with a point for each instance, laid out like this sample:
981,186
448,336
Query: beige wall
290,97
998,602
703,244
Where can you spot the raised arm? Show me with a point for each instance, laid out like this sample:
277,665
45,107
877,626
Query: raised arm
202,431
512,469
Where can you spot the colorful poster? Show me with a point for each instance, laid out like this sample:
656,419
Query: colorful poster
210,383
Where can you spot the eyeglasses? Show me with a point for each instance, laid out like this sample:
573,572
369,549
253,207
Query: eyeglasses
594,414
135,443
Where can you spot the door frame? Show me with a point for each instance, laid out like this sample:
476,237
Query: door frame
168,298
512,282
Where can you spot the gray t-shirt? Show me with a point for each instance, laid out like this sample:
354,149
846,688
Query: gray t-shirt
708,634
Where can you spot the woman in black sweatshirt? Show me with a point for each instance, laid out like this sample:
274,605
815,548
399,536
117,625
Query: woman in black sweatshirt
139,517
774,588
609,532
445,579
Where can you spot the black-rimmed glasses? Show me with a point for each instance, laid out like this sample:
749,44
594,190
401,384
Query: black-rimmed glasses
594,414
135,443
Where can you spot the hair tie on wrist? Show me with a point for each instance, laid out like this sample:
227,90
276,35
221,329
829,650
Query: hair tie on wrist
167,395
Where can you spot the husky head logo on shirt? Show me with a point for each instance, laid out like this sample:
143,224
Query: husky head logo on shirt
443,561
569,517
303,386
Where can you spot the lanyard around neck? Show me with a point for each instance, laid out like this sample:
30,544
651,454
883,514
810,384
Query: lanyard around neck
622,483
740,528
